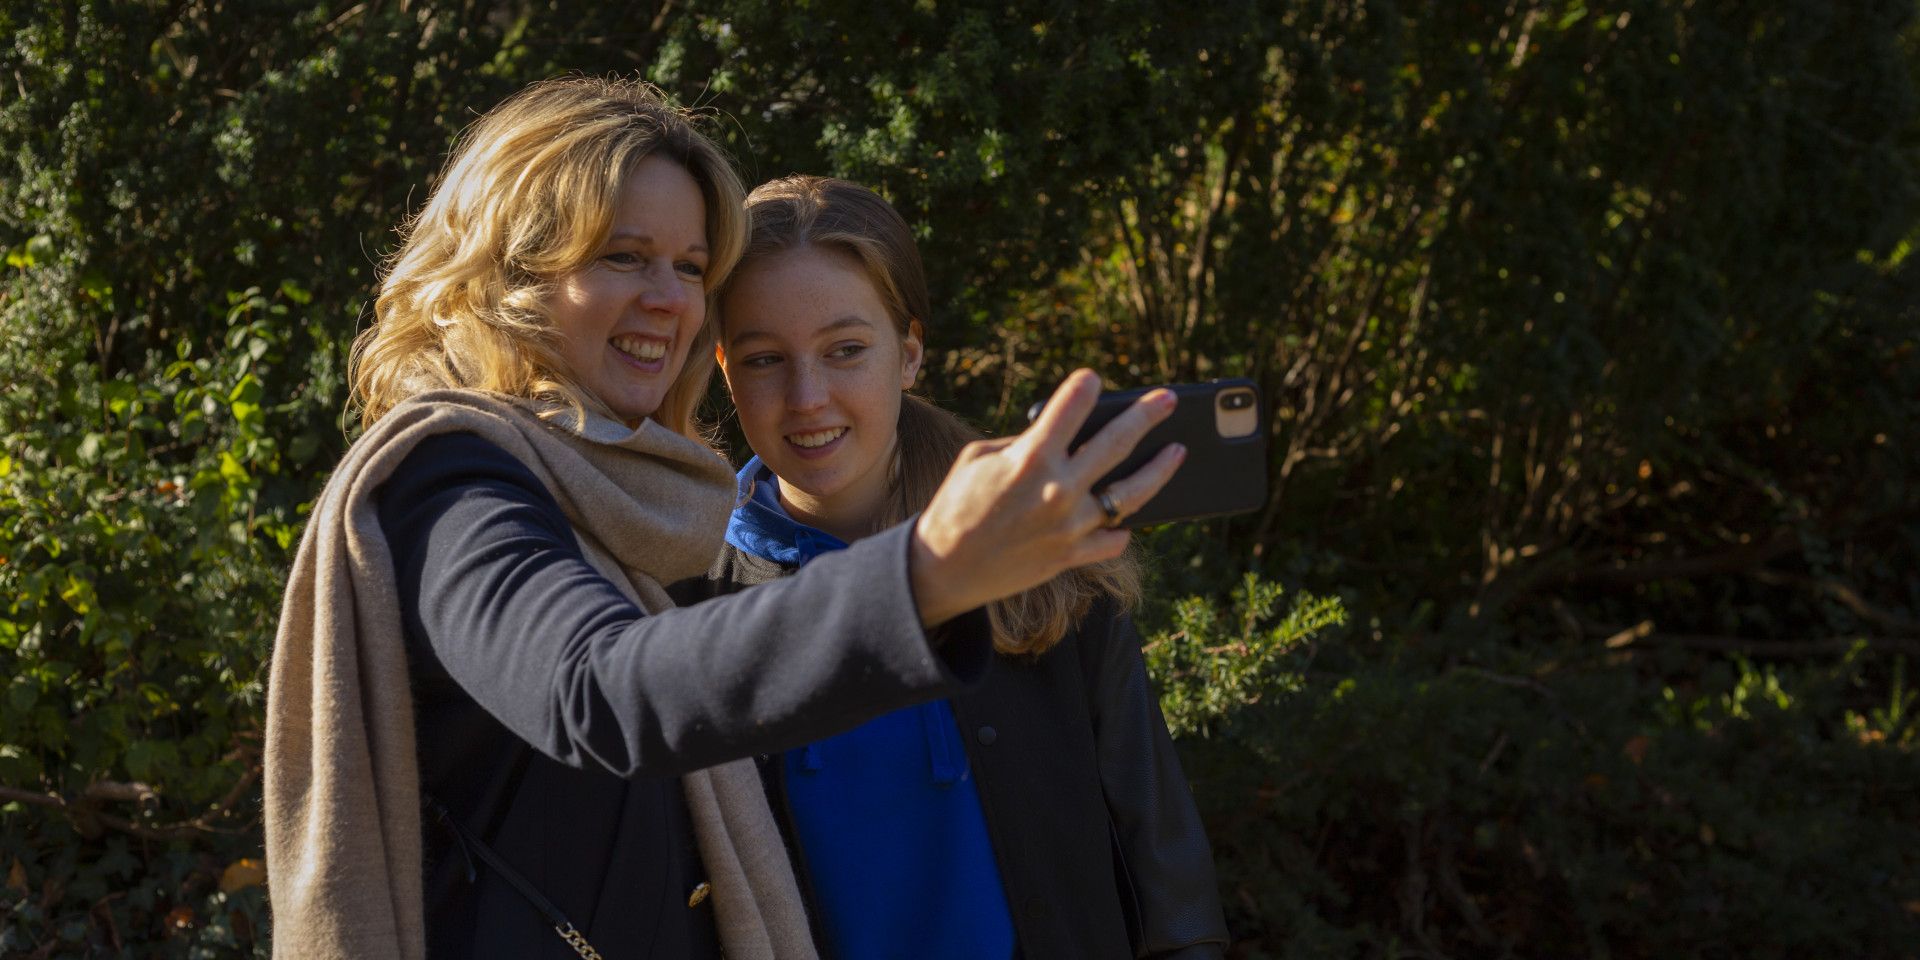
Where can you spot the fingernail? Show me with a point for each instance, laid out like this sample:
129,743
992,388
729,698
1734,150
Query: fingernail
1179,451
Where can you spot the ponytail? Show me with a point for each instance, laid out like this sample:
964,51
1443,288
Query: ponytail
928,441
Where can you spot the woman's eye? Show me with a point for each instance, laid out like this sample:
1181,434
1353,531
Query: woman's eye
691,271
621,259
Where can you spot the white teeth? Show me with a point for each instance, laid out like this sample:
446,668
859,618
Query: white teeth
640,348
818,438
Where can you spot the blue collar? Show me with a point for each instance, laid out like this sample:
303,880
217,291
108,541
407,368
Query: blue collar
762,527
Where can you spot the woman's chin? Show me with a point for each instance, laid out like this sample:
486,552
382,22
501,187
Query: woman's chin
632,407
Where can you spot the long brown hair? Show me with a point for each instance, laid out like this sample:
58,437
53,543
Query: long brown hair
825,212
527,197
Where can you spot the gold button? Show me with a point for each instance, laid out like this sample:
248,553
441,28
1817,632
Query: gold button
699,894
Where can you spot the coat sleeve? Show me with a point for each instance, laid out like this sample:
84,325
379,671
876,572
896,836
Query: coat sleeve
497,597
1157,829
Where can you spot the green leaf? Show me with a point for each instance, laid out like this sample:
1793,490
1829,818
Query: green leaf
232,471
95,284
119,394
78,593
139,759
247,390
37,249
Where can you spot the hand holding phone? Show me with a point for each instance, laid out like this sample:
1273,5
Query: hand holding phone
1222,423
1014,512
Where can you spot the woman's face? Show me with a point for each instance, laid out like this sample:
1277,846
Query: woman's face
627,318
816,368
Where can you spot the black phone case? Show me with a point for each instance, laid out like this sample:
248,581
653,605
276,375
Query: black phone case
1220,477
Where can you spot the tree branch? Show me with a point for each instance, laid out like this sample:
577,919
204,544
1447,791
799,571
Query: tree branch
1847,596
1742,559
89,820
1828,646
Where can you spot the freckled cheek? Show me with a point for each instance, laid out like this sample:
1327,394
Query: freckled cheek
758,400
876,396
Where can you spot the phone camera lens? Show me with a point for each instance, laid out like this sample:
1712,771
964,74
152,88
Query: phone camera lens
1236,401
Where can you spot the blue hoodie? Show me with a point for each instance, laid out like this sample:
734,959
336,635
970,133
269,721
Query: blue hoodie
886,815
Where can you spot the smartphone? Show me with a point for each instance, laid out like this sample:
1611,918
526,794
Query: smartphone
1222,423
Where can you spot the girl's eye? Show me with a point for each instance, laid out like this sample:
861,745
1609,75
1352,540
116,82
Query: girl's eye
761,360
847,351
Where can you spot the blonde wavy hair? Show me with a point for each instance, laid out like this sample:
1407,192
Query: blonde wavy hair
801,211
527,197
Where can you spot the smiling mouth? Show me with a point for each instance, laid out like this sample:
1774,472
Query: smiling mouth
817,438
644,349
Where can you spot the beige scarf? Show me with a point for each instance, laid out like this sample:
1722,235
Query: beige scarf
342,787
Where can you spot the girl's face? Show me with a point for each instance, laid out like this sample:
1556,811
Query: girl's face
627,319
816,369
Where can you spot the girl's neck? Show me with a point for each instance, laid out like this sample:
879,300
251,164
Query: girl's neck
851,512
844,520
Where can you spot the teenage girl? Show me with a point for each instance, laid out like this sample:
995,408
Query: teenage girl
1041,814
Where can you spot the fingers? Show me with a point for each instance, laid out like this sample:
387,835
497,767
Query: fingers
1106,449
1065,411
1134,490
1102,545
981,448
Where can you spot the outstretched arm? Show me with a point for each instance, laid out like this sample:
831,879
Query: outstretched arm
497,596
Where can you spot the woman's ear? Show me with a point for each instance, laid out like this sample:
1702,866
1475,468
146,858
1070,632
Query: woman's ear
911,353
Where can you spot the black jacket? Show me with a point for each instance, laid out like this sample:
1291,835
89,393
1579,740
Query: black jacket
553,716
1100,847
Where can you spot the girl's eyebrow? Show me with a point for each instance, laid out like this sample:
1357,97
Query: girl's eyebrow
837,325
847,321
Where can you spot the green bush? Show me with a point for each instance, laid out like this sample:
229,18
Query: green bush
1590,334
142,551
1216,662
1587,812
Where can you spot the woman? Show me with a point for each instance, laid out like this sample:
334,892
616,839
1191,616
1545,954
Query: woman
1042,813
477,669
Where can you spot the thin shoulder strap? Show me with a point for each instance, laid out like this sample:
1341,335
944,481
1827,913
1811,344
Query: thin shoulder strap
470,847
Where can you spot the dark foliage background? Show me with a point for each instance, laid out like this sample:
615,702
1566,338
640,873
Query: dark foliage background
1589,330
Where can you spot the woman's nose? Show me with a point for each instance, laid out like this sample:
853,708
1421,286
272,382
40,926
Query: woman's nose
666,291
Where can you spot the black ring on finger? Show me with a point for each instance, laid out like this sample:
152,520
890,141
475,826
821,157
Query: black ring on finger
1110,508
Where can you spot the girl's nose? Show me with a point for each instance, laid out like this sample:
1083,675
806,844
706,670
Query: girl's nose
806,389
